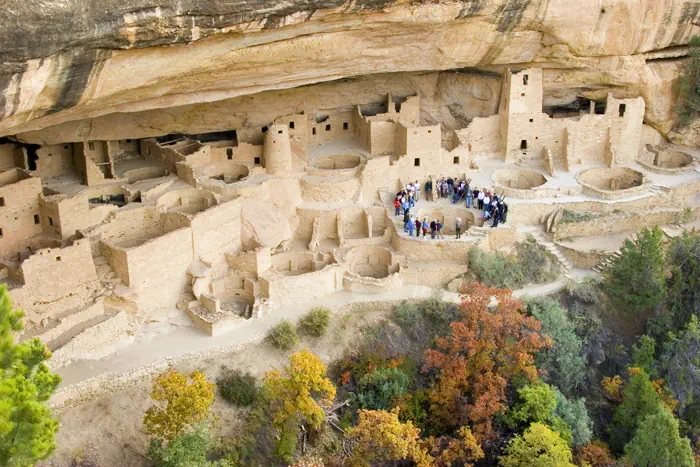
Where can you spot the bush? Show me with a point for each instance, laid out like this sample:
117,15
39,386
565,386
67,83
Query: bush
283,336
573,216
238,388
587,291
406,315
495,269
315,323
537,264
378,390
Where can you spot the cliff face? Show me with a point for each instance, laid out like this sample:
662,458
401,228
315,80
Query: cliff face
68,66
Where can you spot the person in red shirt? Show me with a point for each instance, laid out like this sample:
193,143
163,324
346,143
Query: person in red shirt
397,205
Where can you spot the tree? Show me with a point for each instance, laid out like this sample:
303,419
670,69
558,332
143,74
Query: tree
27,426
377,390
640,399
634,280
658,443
291,398
562,362
595,454
643,353
680,364
463,450
537,404
683,258
574,414
474,364
182,401
539,446
380,436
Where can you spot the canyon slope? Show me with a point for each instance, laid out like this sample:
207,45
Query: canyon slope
104,69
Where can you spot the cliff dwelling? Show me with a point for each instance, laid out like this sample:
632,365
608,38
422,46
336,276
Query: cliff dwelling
98,237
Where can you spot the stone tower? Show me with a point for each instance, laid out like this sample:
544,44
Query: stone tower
277,151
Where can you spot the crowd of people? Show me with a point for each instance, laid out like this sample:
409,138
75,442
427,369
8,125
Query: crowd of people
492,205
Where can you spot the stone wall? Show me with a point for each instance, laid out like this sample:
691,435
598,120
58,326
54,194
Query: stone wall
20,216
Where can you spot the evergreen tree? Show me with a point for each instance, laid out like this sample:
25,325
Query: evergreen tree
680,364
640,400
27,426
684,283
562,362
658,444
635,280
573,413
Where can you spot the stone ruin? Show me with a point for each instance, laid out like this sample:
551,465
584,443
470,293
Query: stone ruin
97,237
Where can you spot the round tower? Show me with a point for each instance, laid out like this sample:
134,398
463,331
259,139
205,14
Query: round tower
277,151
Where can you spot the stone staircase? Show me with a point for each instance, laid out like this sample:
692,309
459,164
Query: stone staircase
600,267
673,230
552,247
657,189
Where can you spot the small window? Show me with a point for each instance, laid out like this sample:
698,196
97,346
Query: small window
291,125
279,132
50,221
36,219
58,258
523,144
522,94
256,161
91,145
264,129
229,153
345,125
623,108
537,137
328,128
455,160
313,131
0,233
65,146
128,141
532,120
416,162
525,79
2,201
430,131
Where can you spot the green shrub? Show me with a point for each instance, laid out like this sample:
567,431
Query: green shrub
573,216
587,291
495,269
283,336
537,264
315,323
406,315
238,388
378,390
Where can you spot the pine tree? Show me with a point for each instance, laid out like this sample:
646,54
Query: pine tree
635,280
658,444
27,426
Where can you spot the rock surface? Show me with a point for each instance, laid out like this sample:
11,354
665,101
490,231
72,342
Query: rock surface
74,61
263,226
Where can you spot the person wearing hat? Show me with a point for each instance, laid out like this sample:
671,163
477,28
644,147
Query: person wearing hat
458,227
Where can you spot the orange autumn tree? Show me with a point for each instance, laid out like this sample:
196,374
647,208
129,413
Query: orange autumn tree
475,363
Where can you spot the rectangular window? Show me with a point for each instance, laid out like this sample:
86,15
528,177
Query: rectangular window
50,221
345,126
532,120
0,233
291,125
128,141
523,144
229,153
328,128
256,161
279,132
430,131
36,219
623,108
264,129
416,162
58,258
522,94
525,79
455,160
313,131
2,201
91,145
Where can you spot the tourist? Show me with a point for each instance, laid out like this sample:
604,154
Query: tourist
468,195
458,227
480,199
439,229
417,188
433,229
505,212
410,226
397,206
428,189
425,227
411,201
485,202
418,226
406,206
406,216
450,185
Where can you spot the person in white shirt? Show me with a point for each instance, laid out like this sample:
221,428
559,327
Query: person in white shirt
417,188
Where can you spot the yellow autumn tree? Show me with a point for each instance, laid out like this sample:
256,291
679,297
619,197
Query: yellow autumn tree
380,436
539,446
181,401
291,396
465,449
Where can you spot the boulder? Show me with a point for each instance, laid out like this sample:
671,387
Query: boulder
263,226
